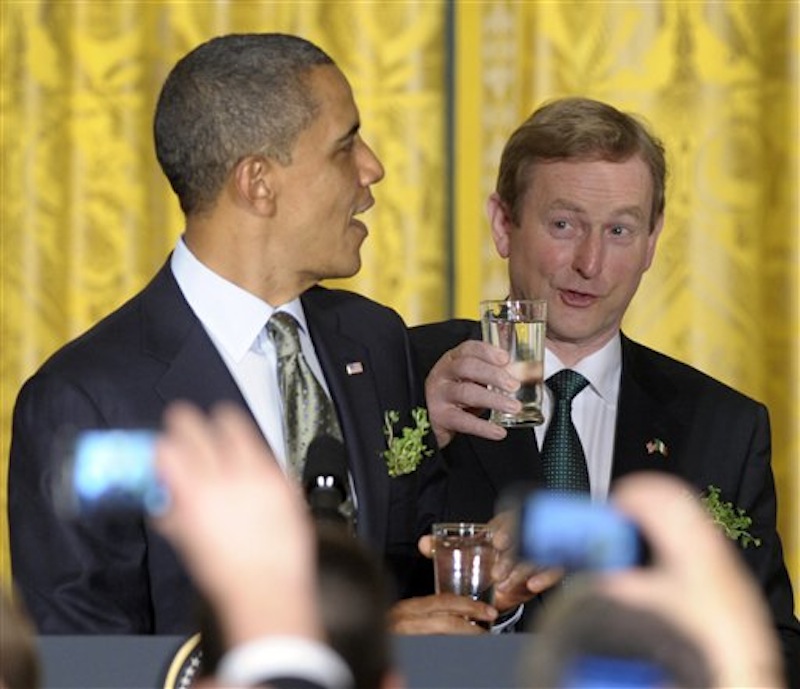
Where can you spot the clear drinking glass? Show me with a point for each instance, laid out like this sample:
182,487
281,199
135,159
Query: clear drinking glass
518,326
463,557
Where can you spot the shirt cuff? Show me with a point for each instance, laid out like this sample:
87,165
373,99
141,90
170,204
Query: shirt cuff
270,657
506,622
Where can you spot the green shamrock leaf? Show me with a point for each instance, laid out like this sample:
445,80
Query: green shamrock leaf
733,521
407,450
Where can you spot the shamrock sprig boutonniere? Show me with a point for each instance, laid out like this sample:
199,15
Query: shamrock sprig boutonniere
733,521
407,450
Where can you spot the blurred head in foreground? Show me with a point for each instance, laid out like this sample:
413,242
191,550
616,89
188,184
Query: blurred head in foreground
19,660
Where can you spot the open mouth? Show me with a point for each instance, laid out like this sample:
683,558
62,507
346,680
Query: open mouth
364,207
577,299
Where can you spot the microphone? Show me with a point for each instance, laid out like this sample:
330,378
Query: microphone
325,481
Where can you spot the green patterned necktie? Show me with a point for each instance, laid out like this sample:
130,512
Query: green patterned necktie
307,409
562,453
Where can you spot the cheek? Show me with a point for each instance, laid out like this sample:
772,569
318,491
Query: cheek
627,272
531,265
541,258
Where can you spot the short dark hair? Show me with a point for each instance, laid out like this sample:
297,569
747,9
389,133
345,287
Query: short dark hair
581,624
230,97
354,603
20,666
578,129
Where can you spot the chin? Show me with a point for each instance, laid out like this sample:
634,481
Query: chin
345,269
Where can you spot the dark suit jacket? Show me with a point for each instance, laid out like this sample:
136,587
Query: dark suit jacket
714,436
106,576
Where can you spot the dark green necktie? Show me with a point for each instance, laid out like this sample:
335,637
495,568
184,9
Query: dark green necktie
307,409
562,453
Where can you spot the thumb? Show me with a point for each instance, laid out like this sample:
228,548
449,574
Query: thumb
425,546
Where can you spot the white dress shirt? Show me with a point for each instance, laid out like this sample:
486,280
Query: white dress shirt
594,410
235,321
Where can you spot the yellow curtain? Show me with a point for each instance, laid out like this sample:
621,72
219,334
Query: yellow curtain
86,216
718,82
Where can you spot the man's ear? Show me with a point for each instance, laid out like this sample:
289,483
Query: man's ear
501,223
254,180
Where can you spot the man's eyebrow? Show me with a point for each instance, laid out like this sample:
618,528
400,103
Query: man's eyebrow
633,211
350,134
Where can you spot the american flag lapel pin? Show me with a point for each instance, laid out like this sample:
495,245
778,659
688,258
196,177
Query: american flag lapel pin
657,445
354,368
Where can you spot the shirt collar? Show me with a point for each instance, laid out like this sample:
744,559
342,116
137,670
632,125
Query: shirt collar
601,368
233,317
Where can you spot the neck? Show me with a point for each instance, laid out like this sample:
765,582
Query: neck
247,259
572,353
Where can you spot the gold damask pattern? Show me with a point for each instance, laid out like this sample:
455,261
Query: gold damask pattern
86,214
718,82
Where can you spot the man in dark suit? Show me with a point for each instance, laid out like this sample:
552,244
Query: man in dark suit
259,137
577,213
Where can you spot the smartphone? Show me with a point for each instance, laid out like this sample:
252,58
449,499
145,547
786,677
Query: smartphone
110,471
570,531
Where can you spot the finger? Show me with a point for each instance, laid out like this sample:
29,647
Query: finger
479,372
436,624
517,578
425,546
478,349
475,396
544,579
248,454
635,495
505,563
189,433
465,606
182,453
452,420
244,447
523,585
447,604
503,525
176,476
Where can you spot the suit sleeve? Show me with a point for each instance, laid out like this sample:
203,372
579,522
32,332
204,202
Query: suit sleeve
757,497
430,483
75,576
430,342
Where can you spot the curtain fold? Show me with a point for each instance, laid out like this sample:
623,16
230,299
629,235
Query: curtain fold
87,217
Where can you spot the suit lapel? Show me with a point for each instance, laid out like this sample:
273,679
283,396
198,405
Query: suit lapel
650,434
352,381
173,334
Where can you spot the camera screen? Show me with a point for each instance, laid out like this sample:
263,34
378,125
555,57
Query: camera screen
114,470
569,531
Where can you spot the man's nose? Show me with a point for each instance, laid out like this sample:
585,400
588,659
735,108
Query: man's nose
371,168
588,257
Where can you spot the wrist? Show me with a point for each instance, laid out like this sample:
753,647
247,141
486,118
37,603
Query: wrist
246,615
